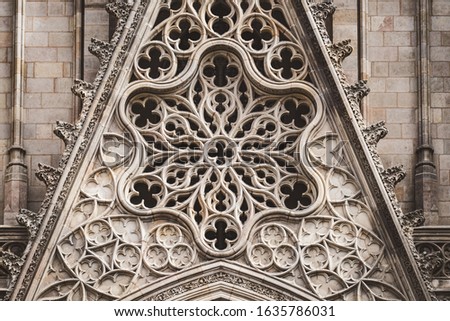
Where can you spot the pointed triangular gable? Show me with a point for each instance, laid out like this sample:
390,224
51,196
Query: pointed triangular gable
220,147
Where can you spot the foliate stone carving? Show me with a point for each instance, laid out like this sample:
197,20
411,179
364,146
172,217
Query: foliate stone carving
339,51
374,133
411,220
439,252
101,49
392,176
31,221
321,11
83,89
48,175
430,263
356,92
11,263
233,280
119,8
66,131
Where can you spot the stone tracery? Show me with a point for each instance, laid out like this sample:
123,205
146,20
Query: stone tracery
219,149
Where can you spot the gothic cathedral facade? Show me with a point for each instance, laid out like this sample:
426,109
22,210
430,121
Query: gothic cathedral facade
225,150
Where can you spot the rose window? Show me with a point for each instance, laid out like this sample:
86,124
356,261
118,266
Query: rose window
222,152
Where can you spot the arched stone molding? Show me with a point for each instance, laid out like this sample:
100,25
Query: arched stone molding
221,280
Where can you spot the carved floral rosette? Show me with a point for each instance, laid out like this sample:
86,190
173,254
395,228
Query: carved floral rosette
220,149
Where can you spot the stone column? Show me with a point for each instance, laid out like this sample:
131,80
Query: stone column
16,175
425,170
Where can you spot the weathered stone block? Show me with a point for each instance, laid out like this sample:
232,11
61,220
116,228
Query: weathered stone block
380,69
397,85
383,54
435,38
57,100
6,8
5,23
440,53
36,9
48,70
444,177
440,7
402,69
382,100
407,100
440,68
377,84
396,146
440,100
397,38
443,131
40,54
401,116
407,53
42,146
440,23
389,7
56,9
5,85
404,23
5,70
36,39
61,39
382,23
65,54
409,131
51,24
32,100
39,85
